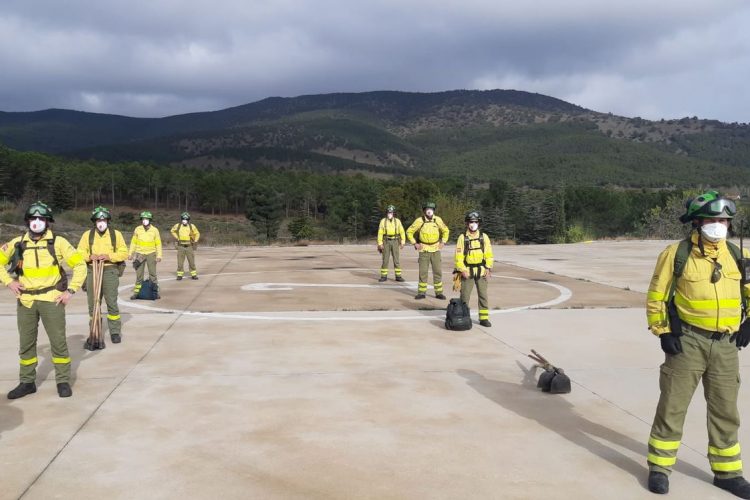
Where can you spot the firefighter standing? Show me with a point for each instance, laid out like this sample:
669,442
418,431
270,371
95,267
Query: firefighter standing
186,235
43,291
429,234
474,261
105,244
695,305
145,247
391,239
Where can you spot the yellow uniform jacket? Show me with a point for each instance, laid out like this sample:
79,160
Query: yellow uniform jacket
185,234
476,256
103,246
145,241
431,232
391,229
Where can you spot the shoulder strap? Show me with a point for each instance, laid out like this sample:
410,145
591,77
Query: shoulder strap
735,251
51,250
91,240
680,260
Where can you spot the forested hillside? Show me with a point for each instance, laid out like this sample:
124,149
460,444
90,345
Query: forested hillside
526,139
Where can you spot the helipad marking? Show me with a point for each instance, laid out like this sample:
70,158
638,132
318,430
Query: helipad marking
271,287
565,294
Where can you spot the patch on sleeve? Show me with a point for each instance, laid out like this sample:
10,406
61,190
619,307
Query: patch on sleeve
5,247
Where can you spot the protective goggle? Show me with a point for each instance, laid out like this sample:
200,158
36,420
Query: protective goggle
718,207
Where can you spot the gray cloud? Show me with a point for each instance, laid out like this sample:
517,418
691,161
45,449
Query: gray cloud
143,58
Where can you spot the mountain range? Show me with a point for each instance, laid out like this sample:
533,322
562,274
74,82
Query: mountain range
522,137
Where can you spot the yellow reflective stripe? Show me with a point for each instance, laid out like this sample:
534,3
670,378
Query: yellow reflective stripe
663,445
726,466
27,362
662,461
145,243
41,272
711,323
656,318
658,296
60,361
3,259
707,304
75,260
726,452
113,317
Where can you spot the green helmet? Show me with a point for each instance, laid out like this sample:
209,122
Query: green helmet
146,215
429,204
390,208
707,205
473,216
39,209
100,213
185,215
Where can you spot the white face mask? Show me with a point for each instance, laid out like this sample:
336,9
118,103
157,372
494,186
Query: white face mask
184,222
714,232
390,215
473,226
37,226
429,212
146,222
101,225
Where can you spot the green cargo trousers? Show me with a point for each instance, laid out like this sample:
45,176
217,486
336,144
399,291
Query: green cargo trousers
182,252
53,319
391,247
427,259
467,285
110,283
151,263
712,359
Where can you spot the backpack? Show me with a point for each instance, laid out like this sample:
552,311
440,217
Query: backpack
148,291
467,244
457,316
418,231
15,266
112,236
684,249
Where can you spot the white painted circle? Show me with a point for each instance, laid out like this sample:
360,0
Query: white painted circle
565,294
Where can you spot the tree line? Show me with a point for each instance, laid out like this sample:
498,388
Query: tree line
313,205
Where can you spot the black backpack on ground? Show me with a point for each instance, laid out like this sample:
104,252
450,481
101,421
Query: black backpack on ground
148,291
457,316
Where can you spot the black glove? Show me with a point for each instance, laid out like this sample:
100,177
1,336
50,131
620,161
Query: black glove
670,343
742,338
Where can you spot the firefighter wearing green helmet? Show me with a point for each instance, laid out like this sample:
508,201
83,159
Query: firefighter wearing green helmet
391,239
474,260
186,236
429,234
104,244
696,304
145,248
41,286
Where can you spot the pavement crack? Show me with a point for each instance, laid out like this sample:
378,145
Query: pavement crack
127,375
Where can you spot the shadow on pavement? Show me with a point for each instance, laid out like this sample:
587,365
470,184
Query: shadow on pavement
10,417
560,416
77,354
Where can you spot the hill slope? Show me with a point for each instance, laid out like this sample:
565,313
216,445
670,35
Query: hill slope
523,137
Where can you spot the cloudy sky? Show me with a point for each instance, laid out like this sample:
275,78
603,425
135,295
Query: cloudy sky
665,59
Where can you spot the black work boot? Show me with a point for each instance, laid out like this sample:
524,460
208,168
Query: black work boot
194,277
658,482
23,389
420,296
485,322
737,486
400,279
63,390
382,279
116,338
179,278
440,296
134,296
